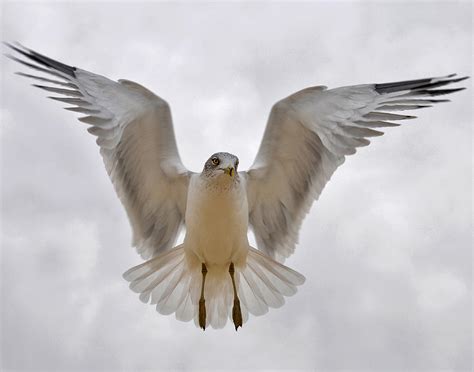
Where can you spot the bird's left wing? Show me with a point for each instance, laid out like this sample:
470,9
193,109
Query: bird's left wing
135,134
307,137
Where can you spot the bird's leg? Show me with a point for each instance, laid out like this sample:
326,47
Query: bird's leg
236,312
202,301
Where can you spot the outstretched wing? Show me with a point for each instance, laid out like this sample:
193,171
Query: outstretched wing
307,137
135,133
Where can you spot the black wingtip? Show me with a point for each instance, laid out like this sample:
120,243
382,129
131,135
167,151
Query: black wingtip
438,92
8,44
420,85
41,59
461,79
15,48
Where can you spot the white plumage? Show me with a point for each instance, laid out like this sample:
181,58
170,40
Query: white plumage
307,137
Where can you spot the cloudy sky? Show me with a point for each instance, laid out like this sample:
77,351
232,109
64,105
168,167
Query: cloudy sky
386,250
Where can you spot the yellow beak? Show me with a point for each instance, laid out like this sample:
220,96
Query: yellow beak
230,171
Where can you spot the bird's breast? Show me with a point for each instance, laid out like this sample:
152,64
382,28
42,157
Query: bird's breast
216,222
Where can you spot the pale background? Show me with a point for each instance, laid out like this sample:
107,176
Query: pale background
386,251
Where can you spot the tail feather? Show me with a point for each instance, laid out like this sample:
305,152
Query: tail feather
164,279
266,282
174,286
268,292
146,276
169,300
185,311
250,295
281,271
150,284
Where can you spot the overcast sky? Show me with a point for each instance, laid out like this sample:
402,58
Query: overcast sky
386,250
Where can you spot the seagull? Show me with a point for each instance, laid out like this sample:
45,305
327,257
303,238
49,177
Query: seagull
215,274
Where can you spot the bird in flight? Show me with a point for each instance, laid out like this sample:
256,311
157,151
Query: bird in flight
215,274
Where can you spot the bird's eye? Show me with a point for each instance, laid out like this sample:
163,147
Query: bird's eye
215,161
236,164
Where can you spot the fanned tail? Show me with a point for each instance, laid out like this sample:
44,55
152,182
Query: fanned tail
265,283
167,281
173,284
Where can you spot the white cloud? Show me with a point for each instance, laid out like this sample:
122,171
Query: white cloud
440,291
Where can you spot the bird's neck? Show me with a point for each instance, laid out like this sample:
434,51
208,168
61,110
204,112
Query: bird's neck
220,183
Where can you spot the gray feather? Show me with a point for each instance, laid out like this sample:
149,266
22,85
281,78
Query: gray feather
66,92
374,115
62,83
72,101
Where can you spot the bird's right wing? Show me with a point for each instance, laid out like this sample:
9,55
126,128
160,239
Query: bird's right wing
308,135
135,133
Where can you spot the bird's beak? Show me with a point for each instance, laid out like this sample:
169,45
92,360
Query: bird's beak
230,171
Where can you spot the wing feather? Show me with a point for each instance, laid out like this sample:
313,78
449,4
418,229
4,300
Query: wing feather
308,136
135,133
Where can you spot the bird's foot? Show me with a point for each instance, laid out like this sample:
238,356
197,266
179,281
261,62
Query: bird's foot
202,314
202,301
237,314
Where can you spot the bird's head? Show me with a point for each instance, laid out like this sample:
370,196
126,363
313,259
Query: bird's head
222,165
